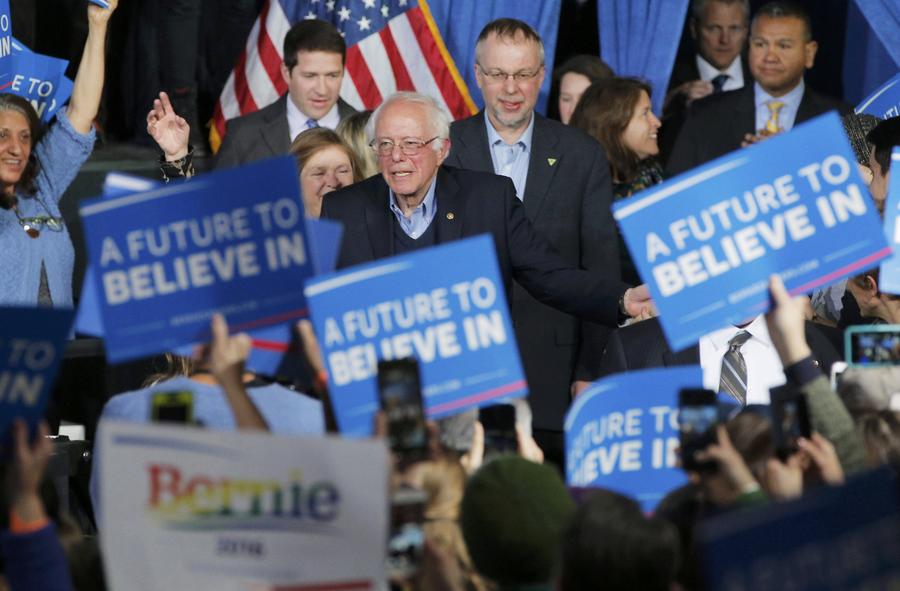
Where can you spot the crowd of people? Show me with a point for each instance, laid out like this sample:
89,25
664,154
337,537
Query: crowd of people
404,177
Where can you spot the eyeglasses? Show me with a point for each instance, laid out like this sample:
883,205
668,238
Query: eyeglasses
499,76
34,225
409,146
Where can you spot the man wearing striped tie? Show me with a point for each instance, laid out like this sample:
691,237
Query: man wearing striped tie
781,50
313,67
740,361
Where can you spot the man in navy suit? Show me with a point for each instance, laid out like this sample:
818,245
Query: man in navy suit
416,203
562,177
781,50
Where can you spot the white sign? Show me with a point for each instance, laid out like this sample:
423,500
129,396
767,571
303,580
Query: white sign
187,508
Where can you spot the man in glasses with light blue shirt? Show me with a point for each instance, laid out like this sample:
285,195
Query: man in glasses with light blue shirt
562,178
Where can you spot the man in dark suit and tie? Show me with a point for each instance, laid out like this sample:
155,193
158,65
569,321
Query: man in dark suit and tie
562,177
738,360
313,67
416,203
781,49
719,30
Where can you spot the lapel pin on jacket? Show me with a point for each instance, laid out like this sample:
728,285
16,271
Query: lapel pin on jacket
551,161
450,215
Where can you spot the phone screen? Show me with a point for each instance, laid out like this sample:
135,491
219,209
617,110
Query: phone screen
499,422
407,543
172,407
401,399
790,420
876,347
698,417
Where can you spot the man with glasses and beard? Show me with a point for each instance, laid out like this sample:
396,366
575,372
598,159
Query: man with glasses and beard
562,177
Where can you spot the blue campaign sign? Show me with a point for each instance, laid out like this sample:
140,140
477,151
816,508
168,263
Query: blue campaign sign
884,102
707,241
6,40
88,319
39,78
445,306
165,260
889,275
32,341
834,538
622,433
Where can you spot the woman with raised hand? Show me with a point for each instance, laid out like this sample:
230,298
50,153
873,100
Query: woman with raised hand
325,162
36,254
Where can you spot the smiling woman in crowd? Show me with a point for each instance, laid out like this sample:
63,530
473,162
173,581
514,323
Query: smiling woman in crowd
617,113
36,254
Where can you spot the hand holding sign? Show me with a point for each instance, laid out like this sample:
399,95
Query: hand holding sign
98,14
29,463
786,321
707,241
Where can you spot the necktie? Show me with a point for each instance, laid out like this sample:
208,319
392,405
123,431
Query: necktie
311,123
772,125
719,82
733,379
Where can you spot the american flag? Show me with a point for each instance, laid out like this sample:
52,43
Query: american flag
391,45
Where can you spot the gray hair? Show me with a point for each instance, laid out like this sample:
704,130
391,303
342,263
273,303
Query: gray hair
698,7
510,30
438,119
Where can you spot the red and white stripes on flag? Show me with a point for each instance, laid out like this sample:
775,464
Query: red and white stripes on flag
406,54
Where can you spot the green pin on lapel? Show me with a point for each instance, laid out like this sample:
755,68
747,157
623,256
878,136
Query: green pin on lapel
551,161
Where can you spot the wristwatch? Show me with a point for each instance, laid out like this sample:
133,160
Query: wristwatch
623,313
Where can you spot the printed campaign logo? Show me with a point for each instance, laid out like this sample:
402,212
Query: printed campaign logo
707,241
181,497
884,102
166,259
445,306
39,78
32,343
622,433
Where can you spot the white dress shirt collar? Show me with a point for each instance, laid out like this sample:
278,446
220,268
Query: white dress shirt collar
297,119
735,72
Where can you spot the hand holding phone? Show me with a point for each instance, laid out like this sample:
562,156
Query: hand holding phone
698,417
400,391
790,420
172,407
499,422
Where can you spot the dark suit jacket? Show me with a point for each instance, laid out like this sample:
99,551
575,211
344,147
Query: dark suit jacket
675,109
716,125
261,134
480,204
642,345
569,204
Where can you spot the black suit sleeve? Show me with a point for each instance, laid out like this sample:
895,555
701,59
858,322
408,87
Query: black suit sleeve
686,151
614,359
599,250
548,278
231,152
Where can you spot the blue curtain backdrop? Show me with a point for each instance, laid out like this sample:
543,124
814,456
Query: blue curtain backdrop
640,38
460,21
872,49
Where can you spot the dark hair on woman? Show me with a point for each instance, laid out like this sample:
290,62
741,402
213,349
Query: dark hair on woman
604,111
308,143
610,544
590,66
12,102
